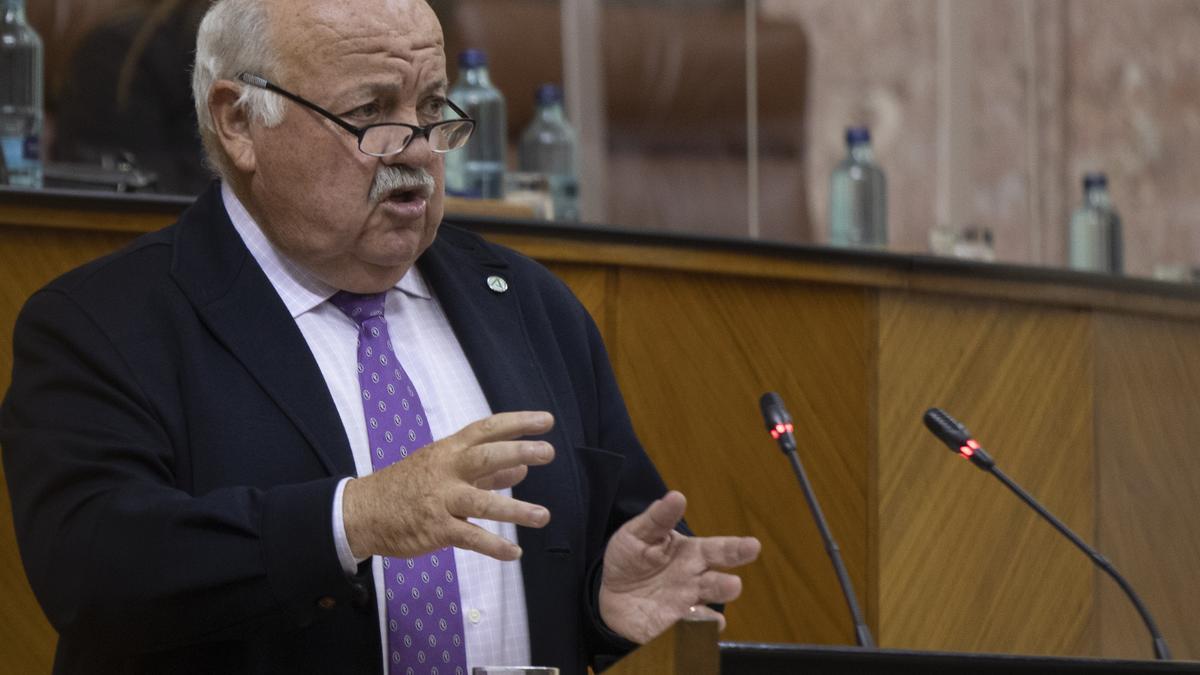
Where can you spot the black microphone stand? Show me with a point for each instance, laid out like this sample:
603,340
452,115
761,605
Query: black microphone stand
1160,644
956,437
861,633
780,424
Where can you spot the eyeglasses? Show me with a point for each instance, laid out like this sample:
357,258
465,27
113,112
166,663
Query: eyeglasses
388,138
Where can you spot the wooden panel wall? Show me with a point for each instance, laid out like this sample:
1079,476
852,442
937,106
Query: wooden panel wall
963,564
942,556
592,284
696,352
1148,463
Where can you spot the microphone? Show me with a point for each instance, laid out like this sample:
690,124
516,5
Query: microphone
779,424
951,432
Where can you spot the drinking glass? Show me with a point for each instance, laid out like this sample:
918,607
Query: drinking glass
513,670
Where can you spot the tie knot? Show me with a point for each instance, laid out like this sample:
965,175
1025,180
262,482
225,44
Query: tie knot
359,307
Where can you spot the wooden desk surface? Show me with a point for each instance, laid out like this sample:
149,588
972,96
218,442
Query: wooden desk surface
511,225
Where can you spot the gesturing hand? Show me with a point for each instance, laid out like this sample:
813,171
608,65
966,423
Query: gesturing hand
653,576
422,503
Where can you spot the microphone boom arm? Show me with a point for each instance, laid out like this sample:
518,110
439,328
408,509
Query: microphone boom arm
862,633
779,424
1160,644
956,437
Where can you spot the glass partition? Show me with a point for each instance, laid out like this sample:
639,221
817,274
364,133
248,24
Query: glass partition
118,92
675,92
984,114
869,64
987,114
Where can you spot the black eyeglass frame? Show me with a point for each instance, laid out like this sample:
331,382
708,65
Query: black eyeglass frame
360,132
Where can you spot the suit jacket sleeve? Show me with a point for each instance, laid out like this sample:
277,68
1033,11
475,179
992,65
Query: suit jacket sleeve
115,550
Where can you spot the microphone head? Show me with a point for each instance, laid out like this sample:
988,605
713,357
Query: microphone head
956,437
773,410
777,419
948,430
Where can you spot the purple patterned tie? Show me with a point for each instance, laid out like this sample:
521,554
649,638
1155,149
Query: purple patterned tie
425,628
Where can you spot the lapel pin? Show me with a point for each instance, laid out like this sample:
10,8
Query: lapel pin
497,284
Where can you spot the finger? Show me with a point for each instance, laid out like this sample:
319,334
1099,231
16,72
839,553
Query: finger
503,479
726,552
719,587
702,613
480,460
504,427
657,521
486,505
471,537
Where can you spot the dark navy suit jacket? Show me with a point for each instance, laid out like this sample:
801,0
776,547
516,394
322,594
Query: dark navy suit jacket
172,451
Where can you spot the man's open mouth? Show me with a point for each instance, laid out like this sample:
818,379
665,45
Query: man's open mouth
407,196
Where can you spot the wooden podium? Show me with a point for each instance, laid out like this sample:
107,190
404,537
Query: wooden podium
687,648
1083,387
691,648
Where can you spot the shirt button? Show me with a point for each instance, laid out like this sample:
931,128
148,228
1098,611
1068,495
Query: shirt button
326,603
474,615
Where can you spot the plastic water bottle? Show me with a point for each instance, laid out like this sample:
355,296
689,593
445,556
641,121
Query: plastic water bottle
1095,243
548,148
477,170
20,97
858,195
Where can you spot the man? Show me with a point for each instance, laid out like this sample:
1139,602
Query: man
212,436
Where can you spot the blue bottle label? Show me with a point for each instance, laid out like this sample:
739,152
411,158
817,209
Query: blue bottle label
20,151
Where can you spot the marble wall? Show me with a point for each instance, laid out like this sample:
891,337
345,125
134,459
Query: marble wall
1132,106
1058,88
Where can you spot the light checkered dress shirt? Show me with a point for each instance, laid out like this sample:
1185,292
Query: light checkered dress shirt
493,592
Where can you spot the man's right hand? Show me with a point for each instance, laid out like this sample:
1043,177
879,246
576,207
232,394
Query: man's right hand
422,503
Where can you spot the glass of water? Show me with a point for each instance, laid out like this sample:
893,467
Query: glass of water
513,670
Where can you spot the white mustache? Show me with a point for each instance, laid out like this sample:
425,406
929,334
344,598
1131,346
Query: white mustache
390,179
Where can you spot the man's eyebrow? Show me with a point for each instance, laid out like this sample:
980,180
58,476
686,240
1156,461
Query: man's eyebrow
361,90
437,85
384,89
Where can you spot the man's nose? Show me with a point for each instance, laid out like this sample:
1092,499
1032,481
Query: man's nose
418,153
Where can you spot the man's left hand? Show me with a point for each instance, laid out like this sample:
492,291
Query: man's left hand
654,576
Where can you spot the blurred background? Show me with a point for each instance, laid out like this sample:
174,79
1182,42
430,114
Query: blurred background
727,117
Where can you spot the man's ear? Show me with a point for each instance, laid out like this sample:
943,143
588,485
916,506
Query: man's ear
232,124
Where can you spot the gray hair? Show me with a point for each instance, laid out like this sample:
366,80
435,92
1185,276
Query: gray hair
233,38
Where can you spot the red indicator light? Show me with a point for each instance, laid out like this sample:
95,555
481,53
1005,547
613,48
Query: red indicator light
789,427
967,451
775,434
972,444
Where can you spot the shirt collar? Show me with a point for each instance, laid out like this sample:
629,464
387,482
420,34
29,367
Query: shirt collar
413,284
299,289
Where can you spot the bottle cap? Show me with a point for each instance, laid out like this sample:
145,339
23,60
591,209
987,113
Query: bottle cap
856,135
1094,179
548,93
472,58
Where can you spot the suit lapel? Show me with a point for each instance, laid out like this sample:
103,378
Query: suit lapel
234,298
490,327
491,330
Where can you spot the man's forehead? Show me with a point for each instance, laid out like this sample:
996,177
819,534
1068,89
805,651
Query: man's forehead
308,25
304,10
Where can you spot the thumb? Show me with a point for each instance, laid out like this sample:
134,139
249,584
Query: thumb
657,521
